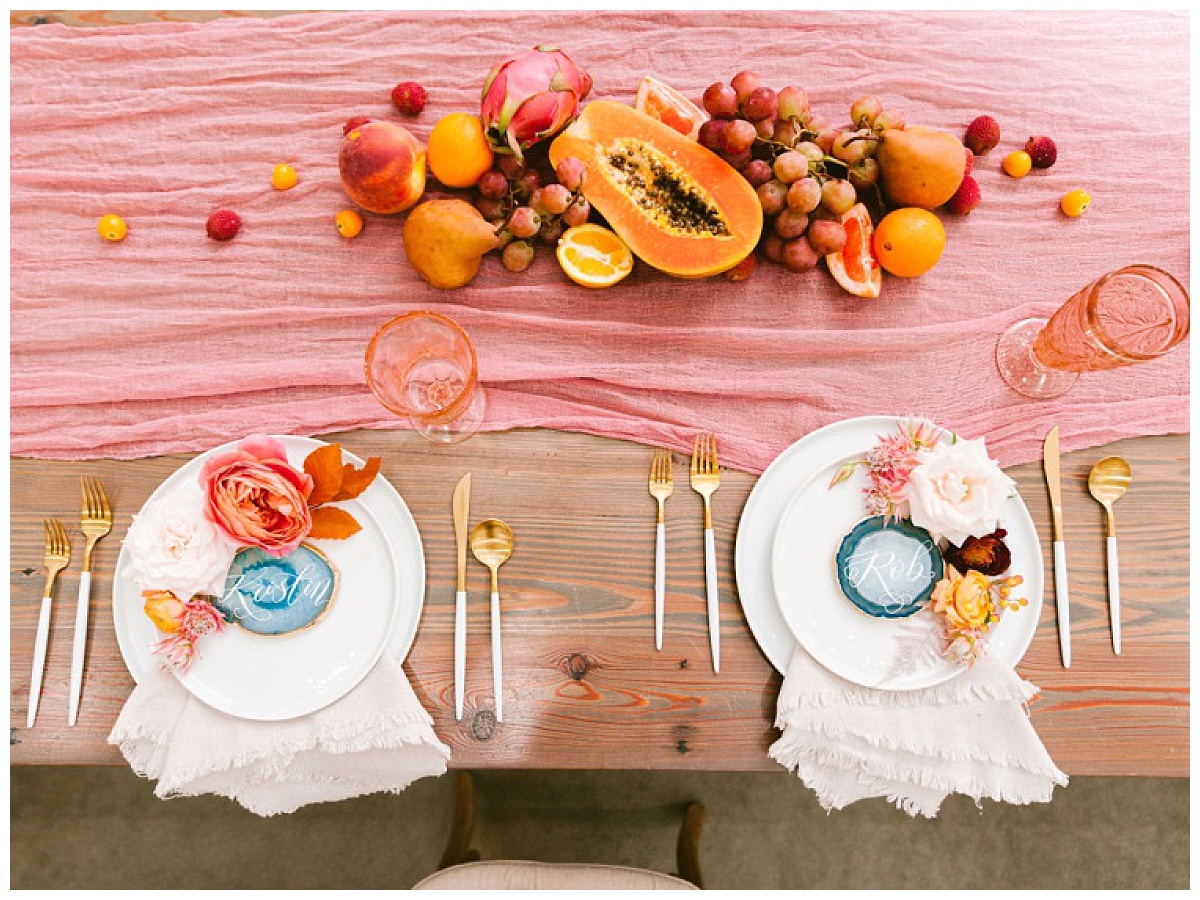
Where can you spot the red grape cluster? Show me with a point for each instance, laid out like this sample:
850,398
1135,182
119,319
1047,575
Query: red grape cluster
524,204
806,173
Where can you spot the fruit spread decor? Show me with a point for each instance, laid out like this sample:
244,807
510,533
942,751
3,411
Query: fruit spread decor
677,205
942,496
692,190
232,546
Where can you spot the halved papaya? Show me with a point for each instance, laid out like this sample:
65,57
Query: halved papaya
679,206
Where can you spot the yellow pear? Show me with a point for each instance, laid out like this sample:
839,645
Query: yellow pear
920,166
445,241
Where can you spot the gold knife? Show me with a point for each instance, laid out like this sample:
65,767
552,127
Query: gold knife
462,511
1061,594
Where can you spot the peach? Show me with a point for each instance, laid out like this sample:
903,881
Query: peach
382,167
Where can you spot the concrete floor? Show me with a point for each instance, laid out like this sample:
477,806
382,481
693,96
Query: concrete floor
102,828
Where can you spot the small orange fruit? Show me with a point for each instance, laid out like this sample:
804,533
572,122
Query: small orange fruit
458,152
909,241
1075,203
284,177
112,228
661,101
1017,164
349,223
855,267
593,256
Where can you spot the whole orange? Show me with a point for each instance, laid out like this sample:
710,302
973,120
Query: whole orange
909,241
458,152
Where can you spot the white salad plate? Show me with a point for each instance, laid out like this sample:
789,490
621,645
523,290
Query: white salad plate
790,530
381,589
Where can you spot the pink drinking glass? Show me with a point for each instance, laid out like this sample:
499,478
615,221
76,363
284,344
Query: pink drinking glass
1128,316
422,366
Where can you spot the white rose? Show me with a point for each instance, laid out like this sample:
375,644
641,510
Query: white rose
173,547
957,491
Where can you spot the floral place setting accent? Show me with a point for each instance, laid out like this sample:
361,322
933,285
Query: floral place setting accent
235,552
265,598
891,572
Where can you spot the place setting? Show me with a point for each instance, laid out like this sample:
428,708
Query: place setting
278,681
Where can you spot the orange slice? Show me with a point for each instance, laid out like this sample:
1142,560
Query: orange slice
594,256
855,267
661,101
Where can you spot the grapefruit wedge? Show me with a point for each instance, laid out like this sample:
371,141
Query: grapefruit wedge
855,267
661,101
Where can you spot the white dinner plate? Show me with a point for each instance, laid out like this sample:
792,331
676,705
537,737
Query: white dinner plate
381,589
821,619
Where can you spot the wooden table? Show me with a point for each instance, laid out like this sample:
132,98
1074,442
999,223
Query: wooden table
585,687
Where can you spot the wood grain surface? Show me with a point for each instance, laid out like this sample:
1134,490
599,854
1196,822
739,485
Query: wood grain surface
584,686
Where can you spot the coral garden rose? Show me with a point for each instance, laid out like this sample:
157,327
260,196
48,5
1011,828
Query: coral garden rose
256,497
965,600
957,490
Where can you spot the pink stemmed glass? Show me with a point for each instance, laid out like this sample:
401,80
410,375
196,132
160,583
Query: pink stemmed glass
422,366
1128,316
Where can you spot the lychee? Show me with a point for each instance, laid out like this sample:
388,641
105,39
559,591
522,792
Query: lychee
982,135
966,198
1042,151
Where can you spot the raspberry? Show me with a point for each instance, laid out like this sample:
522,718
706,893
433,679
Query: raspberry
966,198
409,98
1042,151
982,135
970,160
223,225
355,122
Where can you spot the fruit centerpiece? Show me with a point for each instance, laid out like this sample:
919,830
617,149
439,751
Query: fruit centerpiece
690,190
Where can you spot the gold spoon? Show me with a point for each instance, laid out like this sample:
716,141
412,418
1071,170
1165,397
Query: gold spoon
492,544
1107,482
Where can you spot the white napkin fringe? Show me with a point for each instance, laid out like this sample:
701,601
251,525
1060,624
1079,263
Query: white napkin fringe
378,738
968,691
970,736
795,733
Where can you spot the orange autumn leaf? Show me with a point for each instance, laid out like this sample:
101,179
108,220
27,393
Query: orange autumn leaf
355,481
333,524
324,465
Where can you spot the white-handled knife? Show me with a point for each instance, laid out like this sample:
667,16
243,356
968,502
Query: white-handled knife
1050,465
462,511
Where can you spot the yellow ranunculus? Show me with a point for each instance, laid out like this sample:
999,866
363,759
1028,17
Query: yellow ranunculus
164,609
965,600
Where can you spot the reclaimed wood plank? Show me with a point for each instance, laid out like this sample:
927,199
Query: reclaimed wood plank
585,688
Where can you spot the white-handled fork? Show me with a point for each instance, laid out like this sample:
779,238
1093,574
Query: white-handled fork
662,484
706,478
58,555
95,522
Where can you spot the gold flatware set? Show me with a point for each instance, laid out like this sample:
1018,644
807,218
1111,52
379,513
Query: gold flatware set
94,523
704,476
491,542
1108,481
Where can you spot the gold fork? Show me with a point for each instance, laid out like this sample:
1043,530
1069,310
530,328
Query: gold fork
58,554
706,478
662,484
95,522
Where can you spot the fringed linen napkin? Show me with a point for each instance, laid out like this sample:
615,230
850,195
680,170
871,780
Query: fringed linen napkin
376,738
970,735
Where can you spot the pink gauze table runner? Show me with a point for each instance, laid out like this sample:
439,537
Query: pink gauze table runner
171,342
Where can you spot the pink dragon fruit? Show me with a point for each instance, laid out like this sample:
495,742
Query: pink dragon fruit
531,96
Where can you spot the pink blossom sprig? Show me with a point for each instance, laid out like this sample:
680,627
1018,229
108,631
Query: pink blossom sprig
199,617
890,463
